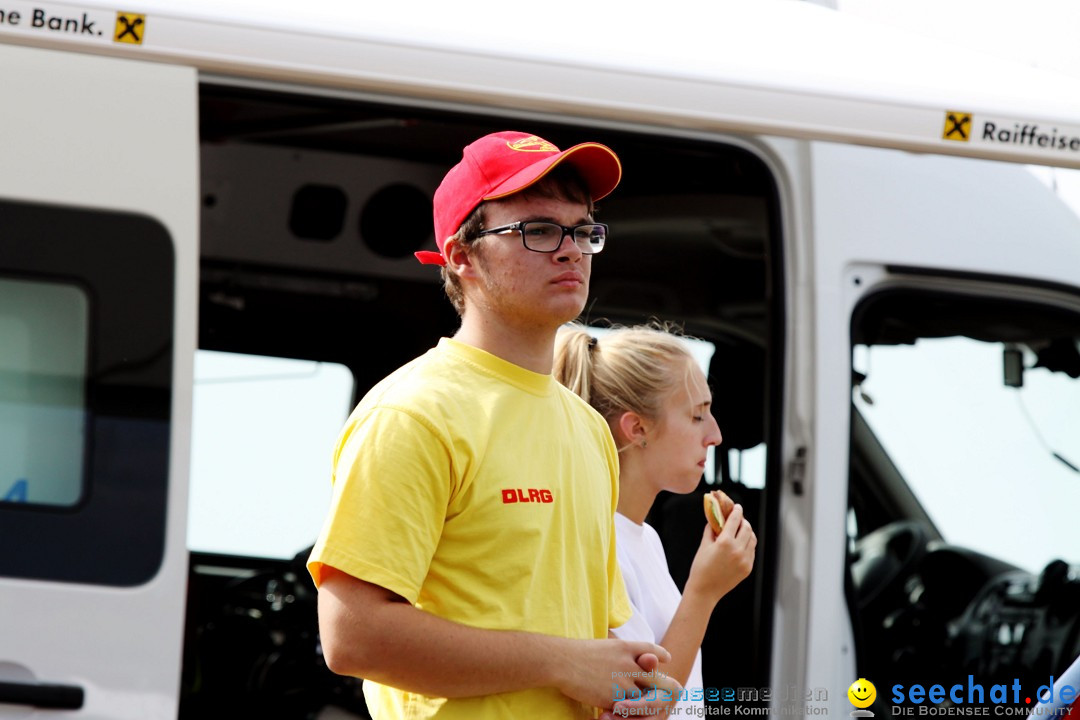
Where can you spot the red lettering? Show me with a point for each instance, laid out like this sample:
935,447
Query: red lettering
525,495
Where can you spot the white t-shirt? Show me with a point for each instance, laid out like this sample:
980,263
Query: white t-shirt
654,597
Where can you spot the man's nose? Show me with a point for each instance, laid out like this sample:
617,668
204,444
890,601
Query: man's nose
568,252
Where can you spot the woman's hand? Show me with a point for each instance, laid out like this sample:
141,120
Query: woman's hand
722,561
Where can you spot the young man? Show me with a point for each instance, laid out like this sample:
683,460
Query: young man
467,568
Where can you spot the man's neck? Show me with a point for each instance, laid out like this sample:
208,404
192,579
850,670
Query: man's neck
529,347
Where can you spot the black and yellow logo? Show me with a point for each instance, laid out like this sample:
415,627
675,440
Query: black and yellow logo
130,28
957,126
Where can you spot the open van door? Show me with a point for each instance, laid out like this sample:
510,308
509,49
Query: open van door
98,271
922,293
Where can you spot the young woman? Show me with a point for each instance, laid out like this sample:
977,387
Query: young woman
655,399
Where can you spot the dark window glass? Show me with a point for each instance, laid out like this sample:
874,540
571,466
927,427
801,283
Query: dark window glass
86,325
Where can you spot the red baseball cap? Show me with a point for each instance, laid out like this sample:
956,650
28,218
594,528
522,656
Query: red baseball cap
504,163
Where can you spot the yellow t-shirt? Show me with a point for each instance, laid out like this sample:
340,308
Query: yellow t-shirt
483,493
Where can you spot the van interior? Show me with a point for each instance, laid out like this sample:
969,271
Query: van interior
312,207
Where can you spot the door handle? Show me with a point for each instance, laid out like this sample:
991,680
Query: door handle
52,697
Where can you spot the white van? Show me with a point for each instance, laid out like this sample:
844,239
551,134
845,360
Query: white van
207,219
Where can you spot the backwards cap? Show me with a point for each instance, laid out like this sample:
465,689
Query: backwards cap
504,163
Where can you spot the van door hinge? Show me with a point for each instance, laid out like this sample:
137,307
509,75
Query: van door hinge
797,470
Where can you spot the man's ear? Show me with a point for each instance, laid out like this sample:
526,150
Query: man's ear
632,427
458,258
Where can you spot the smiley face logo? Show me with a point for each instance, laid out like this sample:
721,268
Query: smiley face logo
862,693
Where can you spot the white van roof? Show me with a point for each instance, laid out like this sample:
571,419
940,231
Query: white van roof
782,67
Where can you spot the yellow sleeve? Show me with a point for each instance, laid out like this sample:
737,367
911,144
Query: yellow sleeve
618,601
392,484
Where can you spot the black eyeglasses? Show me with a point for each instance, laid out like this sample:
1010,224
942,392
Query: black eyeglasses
546,237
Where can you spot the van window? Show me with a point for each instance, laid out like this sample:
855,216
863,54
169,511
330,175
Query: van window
263,431
975,450
86,348
963,484
43,351
748,466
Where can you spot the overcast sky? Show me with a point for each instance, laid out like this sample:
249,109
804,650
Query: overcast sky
1035,32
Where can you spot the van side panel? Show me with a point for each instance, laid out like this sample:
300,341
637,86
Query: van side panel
83,133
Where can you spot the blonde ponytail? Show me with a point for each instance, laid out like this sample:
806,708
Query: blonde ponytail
630,369
573,360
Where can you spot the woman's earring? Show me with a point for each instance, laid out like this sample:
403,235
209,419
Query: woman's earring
644,443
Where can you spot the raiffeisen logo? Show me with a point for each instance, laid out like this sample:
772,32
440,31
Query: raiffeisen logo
971,698
1029,134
